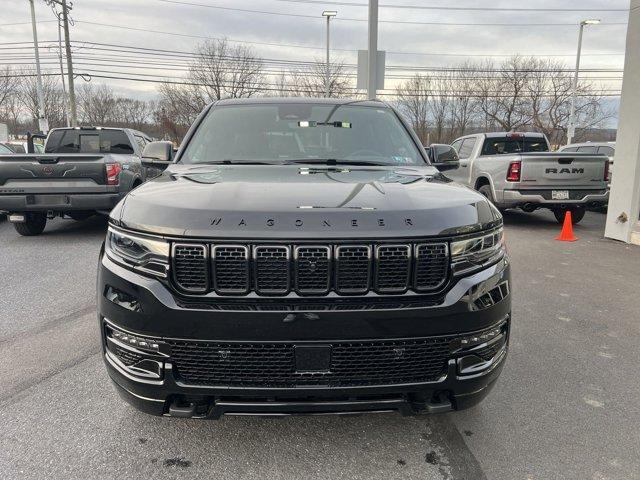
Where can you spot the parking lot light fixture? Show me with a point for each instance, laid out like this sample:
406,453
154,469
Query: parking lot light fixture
328,14
571,128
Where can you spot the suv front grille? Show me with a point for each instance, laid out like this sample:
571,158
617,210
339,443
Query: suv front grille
237,269
190,270
274,364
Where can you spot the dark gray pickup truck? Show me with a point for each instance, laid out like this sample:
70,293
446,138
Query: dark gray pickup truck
82,171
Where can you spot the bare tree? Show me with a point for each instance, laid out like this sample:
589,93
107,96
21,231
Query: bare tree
97,104
550,89
132,113
226,71
413,98
462,103
310,81
440,105
9,96
502,93
54,106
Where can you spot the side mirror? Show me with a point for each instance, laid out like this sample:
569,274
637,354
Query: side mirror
444,157
157,154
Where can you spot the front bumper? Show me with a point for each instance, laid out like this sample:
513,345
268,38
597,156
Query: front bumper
542,199
144,307
59,202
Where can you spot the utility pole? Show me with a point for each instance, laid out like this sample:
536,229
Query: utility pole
373,50
67,46
571,128
42,121
64,86
328,14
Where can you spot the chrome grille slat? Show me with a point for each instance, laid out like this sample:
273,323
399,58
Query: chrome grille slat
230,269
310,269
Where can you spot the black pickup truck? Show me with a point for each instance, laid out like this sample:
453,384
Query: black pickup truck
303,256
82,171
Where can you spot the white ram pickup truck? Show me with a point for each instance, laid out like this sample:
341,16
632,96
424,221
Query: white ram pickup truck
517,170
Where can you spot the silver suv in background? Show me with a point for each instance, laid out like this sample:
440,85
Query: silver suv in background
603,148
516,170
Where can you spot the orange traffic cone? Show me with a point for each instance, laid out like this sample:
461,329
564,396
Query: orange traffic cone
566,234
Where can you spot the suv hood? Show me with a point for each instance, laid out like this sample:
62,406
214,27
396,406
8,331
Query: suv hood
269,201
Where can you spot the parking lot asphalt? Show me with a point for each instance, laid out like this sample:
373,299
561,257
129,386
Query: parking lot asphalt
565,407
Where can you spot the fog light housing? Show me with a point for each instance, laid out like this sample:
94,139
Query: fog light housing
135,341
136,355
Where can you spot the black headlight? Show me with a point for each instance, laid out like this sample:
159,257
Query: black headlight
477,251
148,255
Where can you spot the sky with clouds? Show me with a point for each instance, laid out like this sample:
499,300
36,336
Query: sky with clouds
424,31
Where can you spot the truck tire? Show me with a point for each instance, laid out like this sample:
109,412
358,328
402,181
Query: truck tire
34,225
577,214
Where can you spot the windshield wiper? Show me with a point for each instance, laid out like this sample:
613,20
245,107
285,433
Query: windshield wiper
237,162
334,161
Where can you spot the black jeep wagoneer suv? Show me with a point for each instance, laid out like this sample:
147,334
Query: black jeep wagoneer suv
303,256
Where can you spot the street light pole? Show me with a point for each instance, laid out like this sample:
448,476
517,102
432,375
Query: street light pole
42,122
328,14
571,128
373,50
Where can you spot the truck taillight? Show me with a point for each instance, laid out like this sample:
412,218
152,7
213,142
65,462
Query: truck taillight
113,173
607,174
513,174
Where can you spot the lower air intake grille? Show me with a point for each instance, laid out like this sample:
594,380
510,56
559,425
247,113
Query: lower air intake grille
274,364
190,267
127,356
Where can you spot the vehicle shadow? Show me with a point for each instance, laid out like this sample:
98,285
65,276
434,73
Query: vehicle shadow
58,227
539,219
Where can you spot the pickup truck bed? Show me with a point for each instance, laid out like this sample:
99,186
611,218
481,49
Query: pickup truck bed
529,180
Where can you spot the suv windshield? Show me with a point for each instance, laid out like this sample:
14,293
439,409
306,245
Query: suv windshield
499,146
281,133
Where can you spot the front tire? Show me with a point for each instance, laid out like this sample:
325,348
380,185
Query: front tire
577,214
34,224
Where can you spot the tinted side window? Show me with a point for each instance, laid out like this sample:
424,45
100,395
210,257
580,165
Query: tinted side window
608,151
570,149
587,149
467,147
53,141
456,145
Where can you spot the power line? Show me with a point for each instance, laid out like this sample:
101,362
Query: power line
347,19
25,23
448,7
606,93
